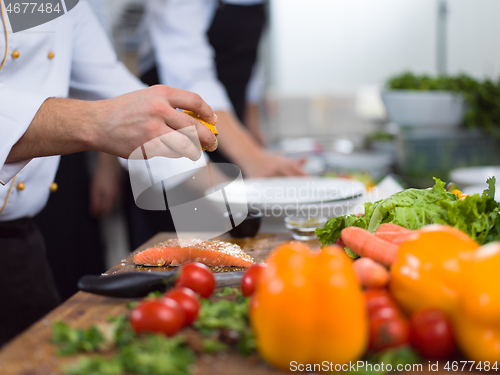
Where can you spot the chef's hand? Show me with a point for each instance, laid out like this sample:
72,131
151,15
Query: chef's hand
149,117
104,185
120,126
270,165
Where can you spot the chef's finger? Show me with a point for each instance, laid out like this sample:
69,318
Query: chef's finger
184,142
178,120
153,148
193,102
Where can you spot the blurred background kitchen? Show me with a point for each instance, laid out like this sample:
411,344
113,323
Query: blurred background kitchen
327,65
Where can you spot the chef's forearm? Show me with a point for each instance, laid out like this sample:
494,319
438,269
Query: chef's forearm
253,123
61,126
120,125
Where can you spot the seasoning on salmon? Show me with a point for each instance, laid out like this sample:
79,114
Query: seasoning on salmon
175,252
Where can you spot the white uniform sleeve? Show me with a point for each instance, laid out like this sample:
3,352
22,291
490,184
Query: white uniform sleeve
17,111
184,56
96,72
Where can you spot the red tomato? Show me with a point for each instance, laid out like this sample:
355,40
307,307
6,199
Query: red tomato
388,327
377,298
198,277
165,317
431,334
251,277
388,333
384,312
188,300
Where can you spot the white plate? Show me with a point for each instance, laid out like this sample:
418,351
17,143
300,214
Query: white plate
283,191
474,175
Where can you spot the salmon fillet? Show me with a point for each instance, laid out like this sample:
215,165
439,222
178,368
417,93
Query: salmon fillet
175,252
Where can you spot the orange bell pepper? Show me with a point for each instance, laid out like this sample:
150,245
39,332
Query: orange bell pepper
477,319
308,308
428,269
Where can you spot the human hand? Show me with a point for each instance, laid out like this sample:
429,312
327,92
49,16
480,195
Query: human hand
149,117
272,165
104,186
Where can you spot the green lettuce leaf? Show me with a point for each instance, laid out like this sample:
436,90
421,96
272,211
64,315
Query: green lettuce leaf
476,215
331,231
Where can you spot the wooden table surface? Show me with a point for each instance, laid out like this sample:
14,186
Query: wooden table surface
31,353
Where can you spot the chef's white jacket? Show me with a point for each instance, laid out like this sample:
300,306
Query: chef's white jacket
174,34
69,56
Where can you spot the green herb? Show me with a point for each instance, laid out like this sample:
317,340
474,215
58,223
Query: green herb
147,354
394,359
211,346
482,98
477,215
123,333
157,355
227,291
151,354
223,323
226,319
72,340
95,366
132,304
154,295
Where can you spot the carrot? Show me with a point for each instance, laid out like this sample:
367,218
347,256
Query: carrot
389,227
370,273
396,238
366,244
393,233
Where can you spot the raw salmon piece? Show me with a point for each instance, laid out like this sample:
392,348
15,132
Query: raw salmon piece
175,252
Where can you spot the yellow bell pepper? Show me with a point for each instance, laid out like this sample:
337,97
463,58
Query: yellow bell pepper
308,308
477,319
461,195
428,269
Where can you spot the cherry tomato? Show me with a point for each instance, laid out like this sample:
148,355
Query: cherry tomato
384,312
198,277
188,300
250,278
165,317
431,334
377,298
388,333
388,327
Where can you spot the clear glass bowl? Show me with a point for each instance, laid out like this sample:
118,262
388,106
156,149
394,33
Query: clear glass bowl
303,227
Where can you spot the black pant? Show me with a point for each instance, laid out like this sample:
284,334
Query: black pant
27,289
73,239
